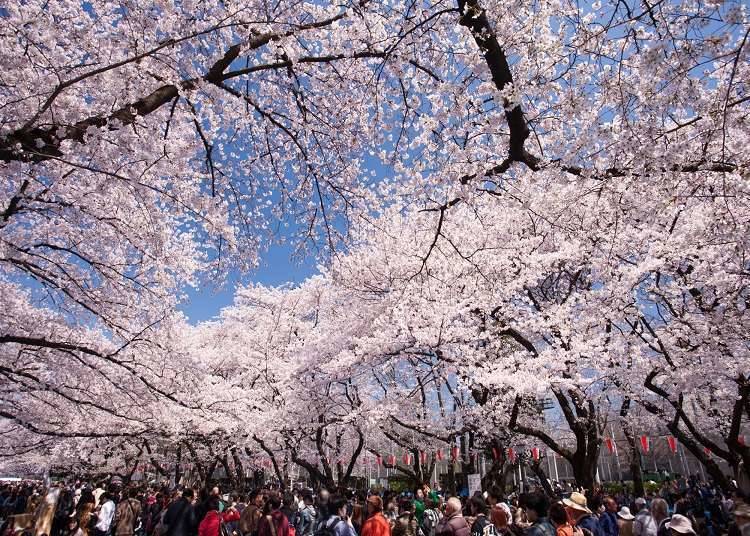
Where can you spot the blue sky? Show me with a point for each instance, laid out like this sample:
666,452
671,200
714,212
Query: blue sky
276,268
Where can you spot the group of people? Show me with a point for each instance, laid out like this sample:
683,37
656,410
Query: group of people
82,510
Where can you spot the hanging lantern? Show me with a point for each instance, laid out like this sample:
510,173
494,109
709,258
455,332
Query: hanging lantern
707,451
741,440
672,442
512,455
644,444
379,461
535,453
406,458
454,453
439,454
610,445
422,456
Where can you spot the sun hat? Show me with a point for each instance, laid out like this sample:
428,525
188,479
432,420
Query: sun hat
624,513
680,524
577,501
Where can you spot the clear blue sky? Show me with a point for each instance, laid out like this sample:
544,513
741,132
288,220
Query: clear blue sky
276,268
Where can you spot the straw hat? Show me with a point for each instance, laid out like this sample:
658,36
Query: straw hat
741,509
625,514
680,524
577,501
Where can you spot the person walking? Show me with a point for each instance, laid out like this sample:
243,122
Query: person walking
406,523
559,518
180,516
338,522
454,523
608,519
106,515
536,506
210,525
625,521
577,507
644,523
376,524
127,514
274,522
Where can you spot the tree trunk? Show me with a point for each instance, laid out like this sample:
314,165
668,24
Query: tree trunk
636,472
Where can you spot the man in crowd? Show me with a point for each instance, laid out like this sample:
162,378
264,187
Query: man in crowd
644,524
128,513
536,506
180,516
106,515
577,507
454,523
608,519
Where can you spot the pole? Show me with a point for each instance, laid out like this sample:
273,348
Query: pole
554,461
617,452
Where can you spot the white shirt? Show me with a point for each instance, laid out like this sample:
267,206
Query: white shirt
106,515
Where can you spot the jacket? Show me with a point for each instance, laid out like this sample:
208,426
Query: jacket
180,518
589,522
541,528
306,520
211,524
455,525
608,524
127,515
376,525
249,519
340,527
273,524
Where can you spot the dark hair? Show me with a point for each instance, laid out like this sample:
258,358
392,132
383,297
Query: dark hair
213,503
132,493
537,502
336,503
558,514
188,493
496,493
478,505
289,500
274,502
406,505
430,503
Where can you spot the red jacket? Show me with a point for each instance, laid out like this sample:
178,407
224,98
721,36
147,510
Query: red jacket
211,524
376,525
280,523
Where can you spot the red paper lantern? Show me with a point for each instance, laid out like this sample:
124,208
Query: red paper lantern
511,455
610,445
644,444
672,442
454,453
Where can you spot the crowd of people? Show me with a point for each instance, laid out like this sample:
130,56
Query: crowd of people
111,510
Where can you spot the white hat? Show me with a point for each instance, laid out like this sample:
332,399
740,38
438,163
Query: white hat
577,501
680,524
624,513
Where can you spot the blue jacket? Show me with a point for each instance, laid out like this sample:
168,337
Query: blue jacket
591,523
608,524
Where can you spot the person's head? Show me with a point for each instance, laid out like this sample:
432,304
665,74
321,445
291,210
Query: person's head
499,516
406,506
215,492
536,506
558,514
419,494
259,500
323,496
289,500
273,502
374,504
477,506
337,505
577,506
430,503
640,504
72,523
213,503
610,504
188,493
494,496
308,498
659,509
453,506
132,493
